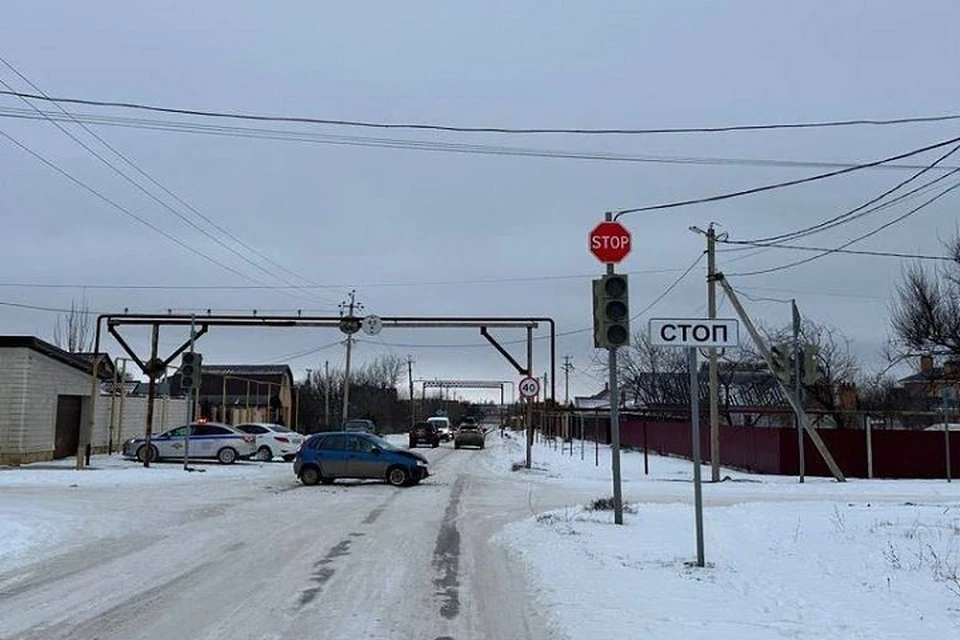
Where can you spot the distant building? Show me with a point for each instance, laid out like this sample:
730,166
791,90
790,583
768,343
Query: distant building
236,393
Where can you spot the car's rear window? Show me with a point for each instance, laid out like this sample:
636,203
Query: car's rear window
279,429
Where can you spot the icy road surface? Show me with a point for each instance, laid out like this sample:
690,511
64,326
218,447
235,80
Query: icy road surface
247,552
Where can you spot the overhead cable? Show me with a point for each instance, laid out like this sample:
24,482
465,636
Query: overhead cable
236,115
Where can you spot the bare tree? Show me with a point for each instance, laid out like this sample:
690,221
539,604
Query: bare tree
926,313
74,329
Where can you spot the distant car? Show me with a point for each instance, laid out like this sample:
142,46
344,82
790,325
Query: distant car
469,435
324,457
357,425
207,440
443,427
273,440
424,433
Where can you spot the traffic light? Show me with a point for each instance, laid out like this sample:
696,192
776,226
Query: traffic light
782,362
190,370
811,372
611,311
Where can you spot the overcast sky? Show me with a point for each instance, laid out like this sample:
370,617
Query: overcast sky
427,232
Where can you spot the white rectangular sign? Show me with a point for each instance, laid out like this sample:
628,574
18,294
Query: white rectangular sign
694,332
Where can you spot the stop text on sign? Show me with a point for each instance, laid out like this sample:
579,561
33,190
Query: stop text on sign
694,332
609,242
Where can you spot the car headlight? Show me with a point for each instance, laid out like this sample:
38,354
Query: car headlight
421,463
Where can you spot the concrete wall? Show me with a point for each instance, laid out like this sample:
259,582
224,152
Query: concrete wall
129,418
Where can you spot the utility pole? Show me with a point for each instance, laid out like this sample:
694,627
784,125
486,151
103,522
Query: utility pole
326,394
567,368
712,381
798,389
413,412
350,306
309,394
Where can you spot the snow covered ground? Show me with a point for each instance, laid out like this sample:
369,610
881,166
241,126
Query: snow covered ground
862,559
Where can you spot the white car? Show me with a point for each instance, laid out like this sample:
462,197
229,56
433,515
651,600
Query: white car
207,440
273,440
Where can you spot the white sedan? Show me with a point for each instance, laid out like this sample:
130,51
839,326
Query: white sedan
273,440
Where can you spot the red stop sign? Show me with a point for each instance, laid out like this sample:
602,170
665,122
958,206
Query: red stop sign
609,242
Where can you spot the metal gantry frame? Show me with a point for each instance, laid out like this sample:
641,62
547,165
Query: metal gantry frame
155,365
437,383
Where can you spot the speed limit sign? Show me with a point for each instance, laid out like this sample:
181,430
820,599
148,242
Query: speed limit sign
529,387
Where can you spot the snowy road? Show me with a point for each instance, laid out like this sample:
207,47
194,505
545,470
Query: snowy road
263,557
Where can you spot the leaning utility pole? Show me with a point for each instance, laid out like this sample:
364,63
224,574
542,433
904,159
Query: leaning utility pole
787,392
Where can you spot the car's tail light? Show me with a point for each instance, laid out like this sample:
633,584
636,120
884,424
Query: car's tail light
282,439
249,439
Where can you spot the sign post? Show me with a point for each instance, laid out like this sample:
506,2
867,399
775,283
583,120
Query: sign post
692,334
610,243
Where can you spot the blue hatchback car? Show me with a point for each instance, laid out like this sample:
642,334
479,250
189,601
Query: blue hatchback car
324,457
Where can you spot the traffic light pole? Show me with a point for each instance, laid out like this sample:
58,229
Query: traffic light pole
615,422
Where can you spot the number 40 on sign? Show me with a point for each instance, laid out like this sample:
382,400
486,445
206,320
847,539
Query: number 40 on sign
529,387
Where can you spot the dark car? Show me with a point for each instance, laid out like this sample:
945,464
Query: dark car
424,433
469,435
358,425
324,457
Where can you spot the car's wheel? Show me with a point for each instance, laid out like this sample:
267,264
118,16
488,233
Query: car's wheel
456,445
398,476
435,445
264,454
142,453
310,475
227,455
413,444
289,457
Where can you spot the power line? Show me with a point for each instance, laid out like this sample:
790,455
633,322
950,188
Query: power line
788,183
143,173
670,288
826,252
123,209
863,209
886,254
202,287
428,145
834,294
485,129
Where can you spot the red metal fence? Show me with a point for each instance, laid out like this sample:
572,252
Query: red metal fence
773,450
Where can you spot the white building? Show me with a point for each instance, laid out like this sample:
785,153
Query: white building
45,400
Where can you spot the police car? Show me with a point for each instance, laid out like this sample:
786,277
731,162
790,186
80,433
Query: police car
207,440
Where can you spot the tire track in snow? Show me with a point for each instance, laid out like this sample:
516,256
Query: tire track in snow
446,557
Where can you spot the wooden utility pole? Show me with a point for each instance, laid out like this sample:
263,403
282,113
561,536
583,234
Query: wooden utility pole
567,368
413,411
326,394
712,382
350,307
